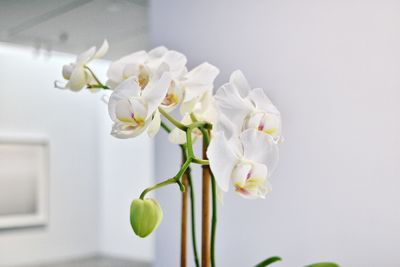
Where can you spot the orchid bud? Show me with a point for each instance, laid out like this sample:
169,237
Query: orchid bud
146,215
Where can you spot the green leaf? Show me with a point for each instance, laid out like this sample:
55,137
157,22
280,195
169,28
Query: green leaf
324,264
268,261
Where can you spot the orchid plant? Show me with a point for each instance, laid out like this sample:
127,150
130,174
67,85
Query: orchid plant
239,125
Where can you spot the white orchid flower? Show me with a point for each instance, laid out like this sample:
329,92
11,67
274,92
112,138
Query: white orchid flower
246,162
248,108
145,67
205,110
134,110
197,86
77,74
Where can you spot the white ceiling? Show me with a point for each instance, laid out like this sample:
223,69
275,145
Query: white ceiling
74,25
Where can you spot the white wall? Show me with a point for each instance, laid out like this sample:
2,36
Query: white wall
30,104
93,176
332,68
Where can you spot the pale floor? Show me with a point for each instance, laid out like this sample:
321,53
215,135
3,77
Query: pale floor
97,261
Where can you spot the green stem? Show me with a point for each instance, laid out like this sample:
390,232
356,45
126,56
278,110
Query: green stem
193,117
99,84
93,86
175,179
192,209
172,120
183,169
164,183
213,219
214,204
193,219
165,127
200,161
189,143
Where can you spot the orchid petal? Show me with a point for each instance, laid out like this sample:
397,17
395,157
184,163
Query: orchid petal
222,160
240,82
225,125
155,124
124,91
116,69
261,101
232,104
78,79
102,50
200,80
124,131
155,92
255,185
124,112
260,147
158,52
175,60
67,71
86,56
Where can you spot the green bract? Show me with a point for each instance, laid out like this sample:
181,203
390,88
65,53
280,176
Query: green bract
146,215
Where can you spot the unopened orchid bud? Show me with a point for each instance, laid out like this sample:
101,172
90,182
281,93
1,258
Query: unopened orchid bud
146,216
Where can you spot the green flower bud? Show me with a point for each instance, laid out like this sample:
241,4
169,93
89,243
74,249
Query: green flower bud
146,215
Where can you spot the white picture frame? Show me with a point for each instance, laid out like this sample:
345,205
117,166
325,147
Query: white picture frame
24,174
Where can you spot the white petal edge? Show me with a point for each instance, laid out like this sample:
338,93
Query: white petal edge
240,82
229,102
261,148
125,90
155,124
118,131
222,160
262,101
155,92
86,56
102,51
78,79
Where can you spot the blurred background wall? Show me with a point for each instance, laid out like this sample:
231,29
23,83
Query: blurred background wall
332,68
93,176
30,104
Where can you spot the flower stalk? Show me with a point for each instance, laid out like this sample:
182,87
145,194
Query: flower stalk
206,137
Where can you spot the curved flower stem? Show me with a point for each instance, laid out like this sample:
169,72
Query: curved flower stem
175,179
193,219
99,84
164,183
192,209
206,137
193,117
189,143
172,120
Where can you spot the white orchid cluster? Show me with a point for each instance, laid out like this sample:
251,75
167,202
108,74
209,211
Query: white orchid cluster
239,125
243,149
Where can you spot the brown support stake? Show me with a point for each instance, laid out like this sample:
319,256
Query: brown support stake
205,222
185,182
